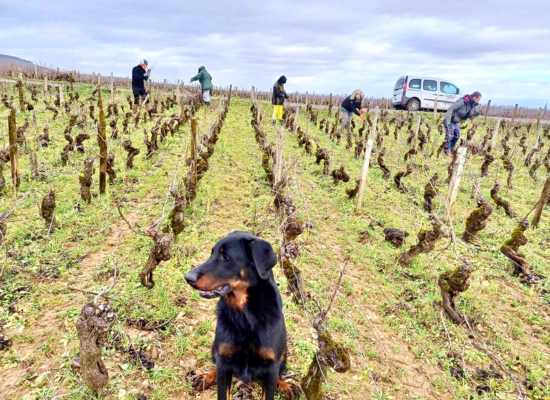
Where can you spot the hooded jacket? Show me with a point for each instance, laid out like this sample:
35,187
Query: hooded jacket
139,77
461,110
279,94
204,78
353,103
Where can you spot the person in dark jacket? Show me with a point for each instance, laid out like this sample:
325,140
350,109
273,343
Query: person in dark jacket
461,110
205,79
278,99
351,105
140,74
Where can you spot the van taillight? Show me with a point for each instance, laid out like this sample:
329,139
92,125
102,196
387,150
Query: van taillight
405,86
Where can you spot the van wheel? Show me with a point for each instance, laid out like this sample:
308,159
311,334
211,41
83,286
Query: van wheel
413,105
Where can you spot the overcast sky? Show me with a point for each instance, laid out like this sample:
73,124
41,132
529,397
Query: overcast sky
499,47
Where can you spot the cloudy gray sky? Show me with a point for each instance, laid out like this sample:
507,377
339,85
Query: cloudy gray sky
499,47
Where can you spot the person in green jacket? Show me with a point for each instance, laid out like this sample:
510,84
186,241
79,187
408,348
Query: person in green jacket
205,80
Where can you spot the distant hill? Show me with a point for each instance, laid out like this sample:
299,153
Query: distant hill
7,61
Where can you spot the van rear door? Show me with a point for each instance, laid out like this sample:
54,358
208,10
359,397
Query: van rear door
448,94
398,91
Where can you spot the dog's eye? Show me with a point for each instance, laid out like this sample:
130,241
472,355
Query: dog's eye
225,256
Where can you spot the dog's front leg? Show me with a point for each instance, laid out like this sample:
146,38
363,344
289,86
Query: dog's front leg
270,384
225,375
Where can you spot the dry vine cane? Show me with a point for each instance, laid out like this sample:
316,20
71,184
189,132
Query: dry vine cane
452,283
430,192
500,202
47,209
331,354
510,248
93,326
161,251
426,240
477,221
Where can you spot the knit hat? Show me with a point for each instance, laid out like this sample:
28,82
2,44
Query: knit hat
143,62
282,79
357,95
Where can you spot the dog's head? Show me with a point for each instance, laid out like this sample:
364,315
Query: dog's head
238,261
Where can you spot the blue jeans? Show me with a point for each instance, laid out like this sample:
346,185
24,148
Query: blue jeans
452,136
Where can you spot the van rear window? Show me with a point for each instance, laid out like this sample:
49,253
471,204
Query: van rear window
399,84
415,84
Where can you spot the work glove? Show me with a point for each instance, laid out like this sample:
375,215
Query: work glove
362,111
362,116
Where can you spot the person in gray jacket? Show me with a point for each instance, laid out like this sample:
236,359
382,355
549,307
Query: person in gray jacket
461,110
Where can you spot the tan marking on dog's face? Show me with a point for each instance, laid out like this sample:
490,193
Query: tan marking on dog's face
208,283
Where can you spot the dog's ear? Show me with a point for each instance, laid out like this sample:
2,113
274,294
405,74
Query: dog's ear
263,256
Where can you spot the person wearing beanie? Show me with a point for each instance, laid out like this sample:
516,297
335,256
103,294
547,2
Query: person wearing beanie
140,74
278,99
205,79
351,105
461,110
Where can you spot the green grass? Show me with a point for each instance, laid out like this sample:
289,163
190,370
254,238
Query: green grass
381,313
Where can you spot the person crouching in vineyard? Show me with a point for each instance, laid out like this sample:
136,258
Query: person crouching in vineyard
205,79
351,105
278,99
140,74
461,110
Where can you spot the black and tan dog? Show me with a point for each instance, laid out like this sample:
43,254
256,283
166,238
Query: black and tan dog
250,338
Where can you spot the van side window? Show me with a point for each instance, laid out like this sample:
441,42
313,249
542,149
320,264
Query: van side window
430,85
448,88
415,84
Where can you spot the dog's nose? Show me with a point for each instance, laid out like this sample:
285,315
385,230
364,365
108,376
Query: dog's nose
192,277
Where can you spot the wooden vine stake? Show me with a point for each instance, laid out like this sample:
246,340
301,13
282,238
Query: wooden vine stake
194,149
435,110
487,110
418,123
13,151
296,119
112,88
544,197
21,96
455,182
366,162
495,134
102,142
515,113
61,101
278,157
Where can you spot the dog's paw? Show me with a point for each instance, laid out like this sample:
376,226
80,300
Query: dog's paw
203,381
290,390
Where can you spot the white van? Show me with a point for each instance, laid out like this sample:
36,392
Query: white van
415,92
